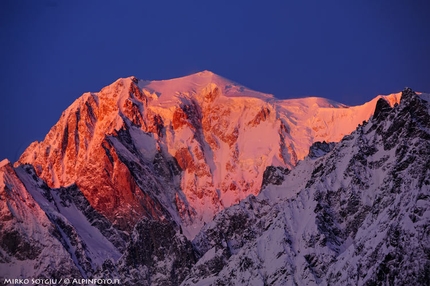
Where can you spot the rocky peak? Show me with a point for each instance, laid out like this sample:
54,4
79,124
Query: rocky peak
139,159
105,138
407,93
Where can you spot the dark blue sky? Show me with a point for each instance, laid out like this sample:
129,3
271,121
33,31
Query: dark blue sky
53,51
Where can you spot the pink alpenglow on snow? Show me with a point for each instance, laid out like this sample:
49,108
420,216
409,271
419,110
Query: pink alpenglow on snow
217,135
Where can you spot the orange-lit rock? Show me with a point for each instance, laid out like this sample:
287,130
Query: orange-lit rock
182,148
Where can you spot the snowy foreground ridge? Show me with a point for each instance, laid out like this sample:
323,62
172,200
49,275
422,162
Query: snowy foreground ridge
201,181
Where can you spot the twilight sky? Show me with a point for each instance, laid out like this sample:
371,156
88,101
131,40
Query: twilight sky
53,51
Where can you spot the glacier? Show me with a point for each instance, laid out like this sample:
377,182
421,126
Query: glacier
201,181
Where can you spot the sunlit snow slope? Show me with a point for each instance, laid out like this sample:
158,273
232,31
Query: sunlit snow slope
356,215
183,148
201,181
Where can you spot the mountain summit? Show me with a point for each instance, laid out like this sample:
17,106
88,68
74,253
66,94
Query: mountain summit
183,148
133,181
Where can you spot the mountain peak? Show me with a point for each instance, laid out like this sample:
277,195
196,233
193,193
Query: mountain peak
141,160
408,94
4,162
206,73
197,82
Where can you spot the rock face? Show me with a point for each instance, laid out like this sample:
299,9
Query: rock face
184,148
185,181
28,238
156,255
319,149
355,216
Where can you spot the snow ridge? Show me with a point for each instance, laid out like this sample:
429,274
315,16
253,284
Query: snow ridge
202,126
215,171
357,217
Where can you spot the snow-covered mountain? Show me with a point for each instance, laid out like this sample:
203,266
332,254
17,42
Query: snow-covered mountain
357,215
199,180
184,148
